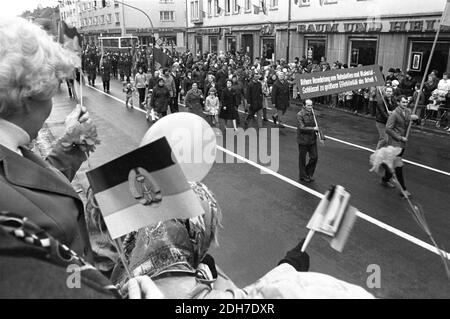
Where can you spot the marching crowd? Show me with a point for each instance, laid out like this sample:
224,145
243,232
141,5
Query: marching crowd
254,86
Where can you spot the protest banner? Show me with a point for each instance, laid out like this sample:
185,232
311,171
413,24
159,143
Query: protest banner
317,84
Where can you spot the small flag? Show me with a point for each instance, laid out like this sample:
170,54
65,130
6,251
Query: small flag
161,58
446,15
334,217
142,188
69,37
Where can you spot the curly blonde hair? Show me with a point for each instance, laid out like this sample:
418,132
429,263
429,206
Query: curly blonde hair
31,64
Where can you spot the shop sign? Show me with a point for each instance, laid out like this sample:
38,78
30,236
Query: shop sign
208,31
400,26
337,81
266,29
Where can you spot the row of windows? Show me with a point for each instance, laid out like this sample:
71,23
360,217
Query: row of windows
99,20
164,16
231,6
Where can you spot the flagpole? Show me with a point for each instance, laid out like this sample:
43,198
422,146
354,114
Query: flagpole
425,75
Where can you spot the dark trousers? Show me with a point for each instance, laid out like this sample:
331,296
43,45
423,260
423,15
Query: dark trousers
251,116
307,169
398,172
106,86
141,93
173,105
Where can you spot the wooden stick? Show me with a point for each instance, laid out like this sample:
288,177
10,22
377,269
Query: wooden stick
307,240
119,247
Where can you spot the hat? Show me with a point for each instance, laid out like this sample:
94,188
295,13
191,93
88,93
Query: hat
397,70
391,70
410,73
395,83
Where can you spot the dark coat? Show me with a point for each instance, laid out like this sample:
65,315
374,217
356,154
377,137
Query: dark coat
187,84
40,190
397,125
92,71
228,110
407,86
30,271
160,99
221,80
280,95
255,96
152,82
381,112
306,135
194,101
106,71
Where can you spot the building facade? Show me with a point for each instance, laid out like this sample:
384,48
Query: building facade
235,25
397,34
69,11
112,18
390,33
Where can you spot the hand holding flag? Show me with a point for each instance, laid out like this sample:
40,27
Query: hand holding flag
333,217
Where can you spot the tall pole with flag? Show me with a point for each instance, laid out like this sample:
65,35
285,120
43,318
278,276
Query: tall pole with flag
445,21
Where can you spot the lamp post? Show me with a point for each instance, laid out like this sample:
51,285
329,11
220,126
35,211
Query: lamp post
152,28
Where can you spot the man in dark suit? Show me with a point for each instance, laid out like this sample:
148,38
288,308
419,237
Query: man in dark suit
307,142
280,98
255,99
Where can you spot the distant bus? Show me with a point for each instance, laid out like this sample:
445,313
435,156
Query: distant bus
119,43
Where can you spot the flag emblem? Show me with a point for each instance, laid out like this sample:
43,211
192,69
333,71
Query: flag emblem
142,188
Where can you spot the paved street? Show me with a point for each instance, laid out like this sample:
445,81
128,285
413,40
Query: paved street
266,215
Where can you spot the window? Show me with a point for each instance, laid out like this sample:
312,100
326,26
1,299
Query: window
315,49
236,7
227,6
363,51
209,8
213,44
231,45
216,7
117,17
248,5
165,16
102,19
108,18
90,21
273,4
195,10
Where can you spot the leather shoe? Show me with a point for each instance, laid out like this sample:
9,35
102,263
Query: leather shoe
305,180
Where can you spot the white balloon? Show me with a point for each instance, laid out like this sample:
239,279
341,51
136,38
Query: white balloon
192,140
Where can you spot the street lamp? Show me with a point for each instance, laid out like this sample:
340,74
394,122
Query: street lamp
152,28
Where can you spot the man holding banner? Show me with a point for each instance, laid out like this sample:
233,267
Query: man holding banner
307,142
